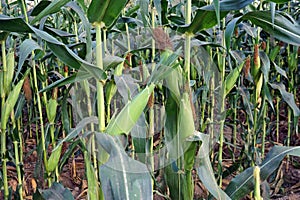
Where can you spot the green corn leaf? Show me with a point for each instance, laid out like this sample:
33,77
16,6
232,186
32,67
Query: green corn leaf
139,136
26,48
93,192
217,10
279,1
53,7
287,97
273,10
17,24
110,90
111,62
204,168
10,103
204,19
56,191
54,159
127,86
71,59
51,111
1,85
278,25
129,115
132,177
243,183
229,5
108,62
39,7
186,120
144,8
268,95
58,48
171,125
77,130
258,87
105,12
283,28
232,78
80,10
229,31
58,32
67,81
176,182
247,104
265,65
10,64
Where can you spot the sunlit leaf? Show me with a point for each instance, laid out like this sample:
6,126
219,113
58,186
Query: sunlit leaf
131,112
54,159
232,77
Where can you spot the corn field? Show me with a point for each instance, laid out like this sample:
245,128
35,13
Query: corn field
150,99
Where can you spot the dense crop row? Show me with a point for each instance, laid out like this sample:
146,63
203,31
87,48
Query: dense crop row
154,95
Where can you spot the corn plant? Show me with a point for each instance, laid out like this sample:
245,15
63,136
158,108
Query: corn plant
153,95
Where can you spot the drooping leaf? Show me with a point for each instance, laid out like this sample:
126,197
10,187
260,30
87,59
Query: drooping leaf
76,131
111,62
132,177
283,28
265,65
87,26
229,31
280,71
58,48
58,32
127,86
268,95
287,97
17,24
204,19
243,183
247,104
26,48
105,12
